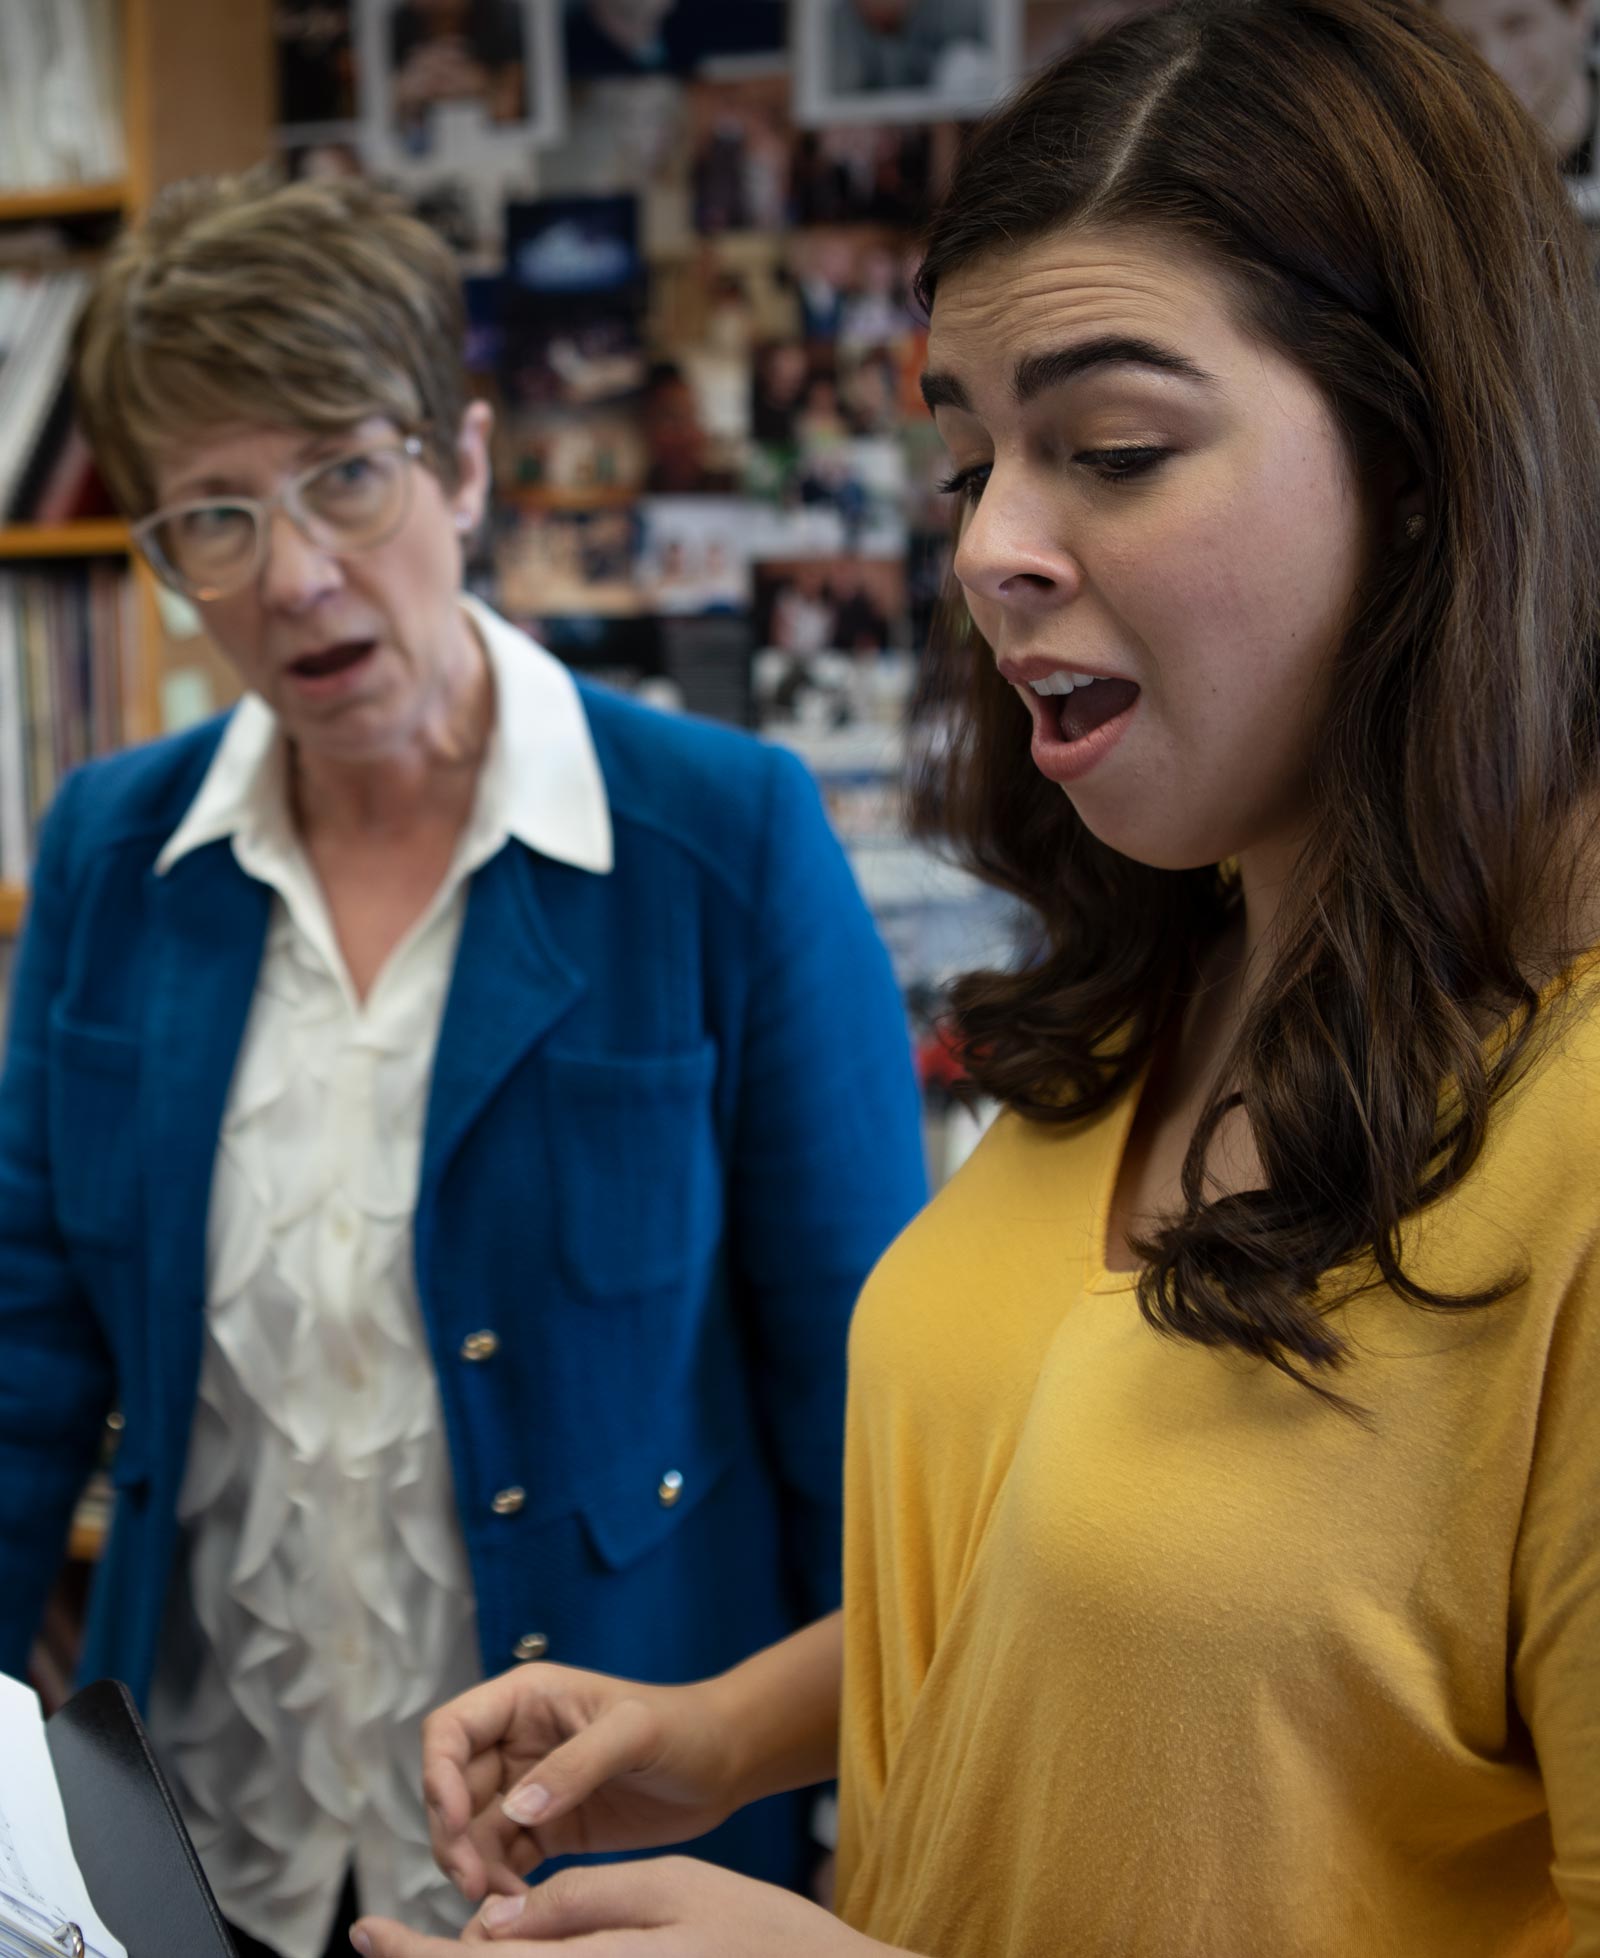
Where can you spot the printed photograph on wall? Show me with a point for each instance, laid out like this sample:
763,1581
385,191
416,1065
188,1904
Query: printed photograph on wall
853,283
902,60
854,606
557,457
740,154
316,62
870,173
677,37
569,562
573,299
489,64
692,555
456,97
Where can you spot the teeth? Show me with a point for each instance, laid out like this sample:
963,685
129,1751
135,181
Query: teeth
1061,683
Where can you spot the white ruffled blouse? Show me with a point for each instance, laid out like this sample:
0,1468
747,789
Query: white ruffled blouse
322,1602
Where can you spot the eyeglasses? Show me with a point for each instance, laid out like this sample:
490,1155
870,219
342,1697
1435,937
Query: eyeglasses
215,546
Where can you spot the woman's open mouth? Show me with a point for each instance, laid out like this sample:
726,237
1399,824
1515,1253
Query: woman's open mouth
1078,718
1079,703
331,667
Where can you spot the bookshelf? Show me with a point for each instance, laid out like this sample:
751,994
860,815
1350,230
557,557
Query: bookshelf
64,201
94,537
198,84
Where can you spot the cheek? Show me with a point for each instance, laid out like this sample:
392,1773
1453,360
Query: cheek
237,627
414,578
1250,594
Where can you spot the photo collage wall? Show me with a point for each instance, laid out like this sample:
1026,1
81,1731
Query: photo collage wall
687,229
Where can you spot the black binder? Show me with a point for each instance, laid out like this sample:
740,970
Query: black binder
127,1835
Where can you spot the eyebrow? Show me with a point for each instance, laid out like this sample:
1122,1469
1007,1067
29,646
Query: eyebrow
1035,373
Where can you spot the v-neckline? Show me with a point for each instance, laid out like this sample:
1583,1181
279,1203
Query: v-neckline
1102,1275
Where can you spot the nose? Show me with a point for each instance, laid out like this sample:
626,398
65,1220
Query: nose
295,573
1007,554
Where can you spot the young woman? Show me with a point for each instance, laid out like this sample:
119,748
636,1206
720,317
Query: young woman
1222,1567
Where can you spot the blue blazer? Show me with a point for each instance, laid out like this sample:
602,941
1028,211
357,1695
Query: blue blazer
672,1124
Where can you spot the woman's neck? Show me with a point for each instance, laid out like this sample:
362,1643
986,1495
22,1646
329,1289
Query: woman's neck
1265,873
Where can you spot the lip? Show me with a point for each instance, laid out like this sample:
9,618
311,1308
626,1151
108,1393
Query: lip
1064,762
327,686
1022,672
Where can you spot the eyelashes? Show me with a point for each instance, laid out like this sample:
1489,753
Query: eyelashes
1111,466
967,484
1121,465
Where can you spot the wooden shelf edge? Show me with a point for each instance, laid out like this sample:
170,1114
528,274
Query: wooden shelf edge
93,537
64,201
13,902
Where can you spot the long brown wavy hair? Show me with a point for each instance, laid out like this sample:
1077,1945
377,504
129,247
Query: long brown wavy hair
1392,222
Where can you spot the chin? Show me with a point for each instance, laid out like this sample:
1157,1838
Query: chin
1155,845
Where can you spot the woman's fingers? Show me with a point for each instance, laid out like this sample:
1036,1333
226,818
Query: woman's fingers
621,1740
493,1852
380,1937
465,1746
470,1727
577,1903
484,1845
492,1862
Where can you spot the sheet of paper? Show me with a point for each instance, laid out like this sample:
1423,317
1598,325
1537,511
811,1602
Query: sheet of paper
41,1886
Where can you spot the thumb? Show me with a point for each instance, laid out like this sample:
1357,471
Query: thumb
620,1741
381,1937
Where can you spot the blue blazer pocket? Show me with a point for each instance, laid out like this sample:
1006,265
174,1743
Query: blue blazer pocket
641,1510
637,1175
92,1113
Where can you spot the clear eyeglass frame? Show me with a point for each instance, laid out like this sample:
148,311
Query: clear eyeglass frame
291,499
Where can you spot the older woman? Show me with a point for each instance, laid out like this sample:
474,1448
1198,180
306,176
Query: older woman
1222,1570
450,1111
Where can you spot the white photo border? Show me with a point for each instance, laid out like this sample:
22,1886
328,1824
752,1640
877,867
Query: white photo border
815,106
545,123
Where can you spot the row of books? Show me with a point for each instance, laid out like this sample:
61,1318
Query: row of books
67,664
46,473
60,93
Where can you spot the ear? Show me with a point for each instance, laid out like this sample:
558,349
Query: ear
1401,511
469,501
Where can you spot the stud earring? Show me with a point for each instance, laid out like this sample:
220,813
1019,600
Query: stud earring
1415,525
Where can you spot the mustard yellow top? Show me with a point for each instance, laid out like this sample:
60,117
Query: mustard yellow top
1150,1654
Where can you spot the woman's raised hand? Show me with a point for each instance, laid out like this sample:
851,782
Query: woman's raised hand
548,1761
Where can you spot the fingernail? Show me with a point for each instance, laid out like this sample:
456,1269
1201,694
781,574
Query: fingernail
526,1805
362,1943
498,1912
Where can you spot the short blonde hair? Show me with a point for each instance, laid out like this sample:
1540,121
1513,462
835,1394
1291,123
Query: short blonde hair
245,300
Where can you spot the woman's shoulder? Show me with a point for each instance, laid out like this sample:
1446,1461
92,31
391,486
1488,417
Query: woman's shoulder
669,749
138,791
1563,1055
715,789
1543,1141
